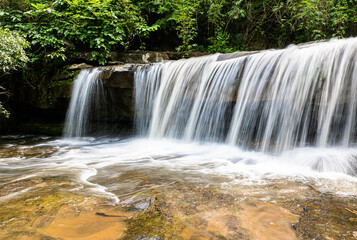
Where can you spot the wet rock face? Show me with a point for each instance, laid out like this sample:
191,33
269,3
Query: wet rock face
119,77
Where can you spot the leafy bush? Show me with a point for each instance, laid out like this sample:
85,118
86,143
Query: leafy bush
12,51
12,57
315,19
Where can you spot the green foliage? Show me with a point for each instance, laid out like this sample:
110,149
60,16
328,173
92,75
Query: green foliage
12,51
185,16
58,27
319,19
12,57
179,16
220,43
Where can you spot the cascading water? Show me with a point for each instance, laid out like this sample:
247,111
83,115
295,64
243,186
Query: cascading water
190,100
145,92
295,106
87,94
273,100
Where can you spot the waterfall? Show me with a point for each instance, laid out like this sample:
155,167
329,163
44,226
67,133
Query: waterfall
272,100
87,99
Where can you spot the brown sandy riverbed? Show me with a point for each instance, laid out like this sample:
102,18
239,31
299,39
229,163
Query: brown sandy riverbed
176,211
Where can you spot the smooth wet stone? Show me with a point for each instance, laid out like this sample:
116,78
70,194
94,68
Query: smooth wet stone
274,222
80,222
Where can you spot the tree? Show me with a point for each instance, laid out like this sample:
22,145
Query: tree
12,57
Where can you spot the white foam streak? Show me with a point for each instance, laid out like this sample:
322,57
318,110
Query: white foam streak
218,158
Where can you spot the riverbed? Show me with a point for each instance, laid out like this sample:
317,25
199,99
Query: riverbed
136,188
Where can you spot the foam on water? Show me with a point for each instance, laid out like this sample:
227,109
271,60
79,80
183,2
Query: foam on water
91,166
215,159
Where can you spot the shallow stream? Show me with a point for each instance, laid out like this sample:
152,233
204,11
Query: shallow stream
176,190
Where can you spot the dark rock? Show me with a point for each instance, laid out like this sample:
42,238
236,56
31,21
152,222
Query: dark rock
118,77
